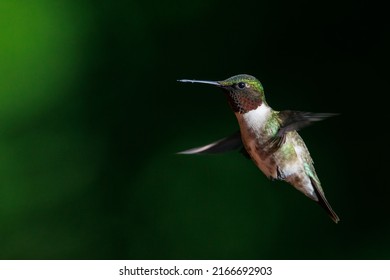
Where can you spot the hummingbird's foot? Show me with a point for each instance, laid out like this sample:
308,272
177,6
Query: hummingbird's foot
280,175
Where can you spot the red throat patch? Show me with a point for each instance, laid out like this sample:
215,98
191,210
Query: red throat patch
242,103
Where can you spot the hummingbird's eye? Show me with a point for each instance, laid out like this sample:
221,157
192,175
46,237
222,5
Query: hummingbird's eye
241,85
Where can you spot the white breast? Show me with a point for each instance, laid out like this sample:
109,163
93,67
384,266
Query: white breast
256,119
252,125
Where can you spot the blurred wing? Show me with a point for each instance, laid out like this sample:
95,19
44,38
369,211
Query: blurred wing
230,143
292,121
296,120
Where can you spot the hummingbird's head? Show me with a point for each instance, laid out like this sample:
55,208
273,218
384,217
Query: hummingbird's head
244,92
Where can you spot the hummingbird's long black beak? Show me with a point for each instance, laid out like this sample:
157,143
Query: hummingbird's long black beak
200,82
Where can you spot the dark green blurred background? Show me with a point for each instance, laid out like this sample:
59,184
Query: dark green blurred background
91,116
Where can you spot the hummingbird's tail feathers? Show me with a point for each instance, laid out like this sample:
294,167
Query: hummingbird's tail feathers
323,202
230,143
295,120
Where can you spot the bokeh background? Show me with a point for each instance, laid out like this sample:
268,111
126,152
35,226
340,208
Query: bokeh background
91,117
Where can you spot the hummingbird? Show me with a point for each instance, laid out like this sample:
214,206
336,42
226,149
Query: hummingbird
269,137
